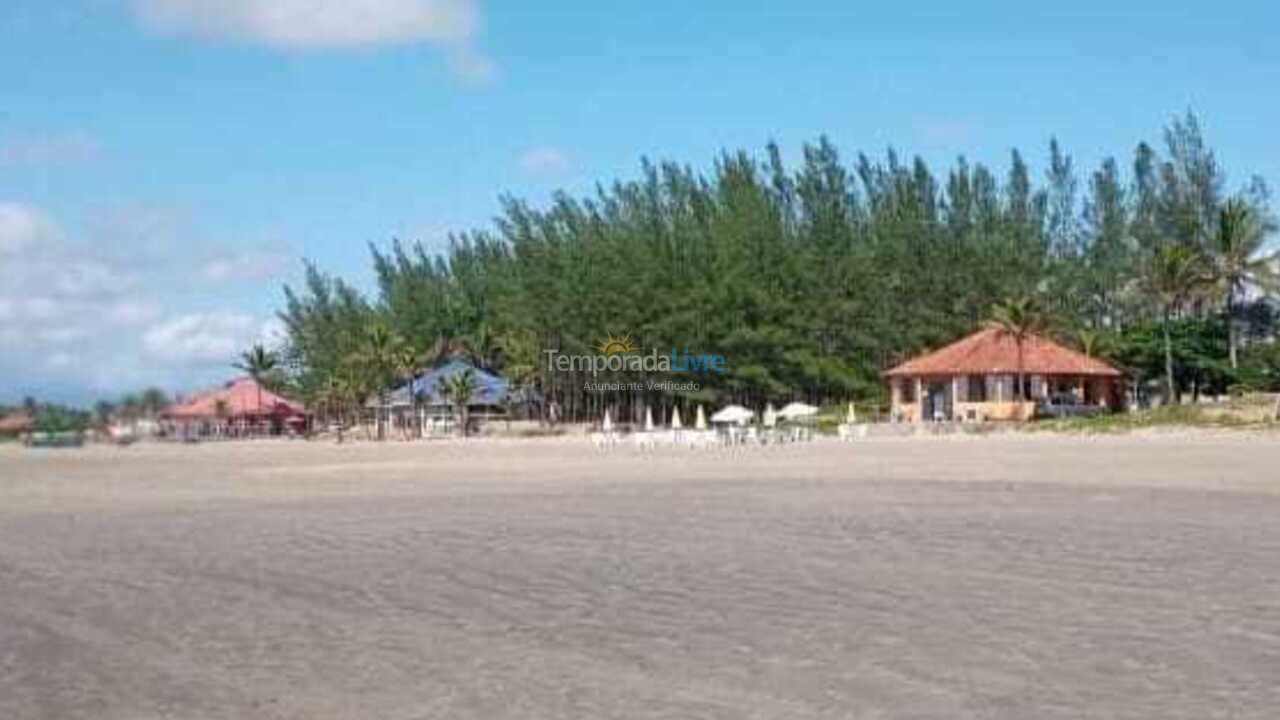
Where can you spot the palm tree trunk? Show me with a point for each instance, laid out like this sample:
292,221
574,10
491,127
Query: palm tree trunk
1233,339
1168,362
1233,330
413,408
382,407
1020,393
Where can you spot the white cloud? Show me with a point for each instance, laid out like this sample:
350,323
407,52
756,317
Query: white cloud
201,338
21,226
240,267
544,162
130,312
308,24
118,308
273,334
49,150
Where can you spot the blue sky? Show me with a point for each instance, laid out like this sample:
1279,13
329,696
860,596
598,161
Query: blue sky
164,164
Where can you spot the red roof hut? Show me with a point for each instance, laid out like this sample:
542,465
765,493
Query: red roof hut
239,407
975,379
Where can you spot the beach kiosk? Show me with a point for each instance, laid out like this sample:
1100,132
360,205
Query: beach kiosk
975,380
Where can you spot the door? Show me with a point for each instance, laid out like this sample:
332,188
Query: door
937,403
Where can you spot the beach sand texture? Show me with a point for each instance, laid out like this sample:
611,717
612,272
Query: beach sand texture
989,577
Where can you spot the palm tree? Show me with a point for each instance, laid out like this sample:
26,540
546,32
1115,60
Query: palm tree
459,388
1089,340
259,363
445,347
333,395
521,356
409,360
153,401
221,411
1176,274
378,357
1019,318
102,412
1239,262
482,346
130,407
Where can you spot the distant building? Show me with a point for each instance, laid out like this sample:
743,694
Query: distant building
975,378
493,397
16,424
239,408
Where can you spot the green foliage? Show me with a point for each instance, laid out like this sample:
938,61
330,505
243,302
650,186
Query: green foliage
1019,318
257,362
458,389
1198,354
1259,369
60,419
809,281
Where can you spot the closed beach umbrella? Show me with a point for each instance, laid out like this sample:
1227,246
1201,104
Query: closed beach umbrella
648,420
607,424
701,422
675,419
770,417
852,416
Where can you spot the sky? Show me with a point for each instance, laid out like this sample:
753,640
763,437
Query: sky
165,165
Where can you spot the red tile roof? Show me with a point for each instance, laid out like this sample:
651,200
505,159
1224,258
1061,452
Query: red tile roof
992,351
241,398
16,422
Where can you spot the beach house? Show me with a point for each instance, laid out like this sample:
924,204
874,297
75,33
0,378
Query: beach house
975,380
239,408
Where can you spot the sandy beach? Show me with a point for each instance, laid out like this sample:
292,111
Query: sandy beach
966,577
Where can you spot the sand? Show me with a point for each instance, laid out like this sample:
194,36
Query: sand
969,577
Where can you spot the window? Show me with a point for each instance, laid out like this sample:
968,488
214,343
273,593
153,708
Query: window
977,388
908,389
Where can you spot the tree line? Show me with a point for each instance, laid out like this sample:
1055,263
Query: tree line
811,281
57,417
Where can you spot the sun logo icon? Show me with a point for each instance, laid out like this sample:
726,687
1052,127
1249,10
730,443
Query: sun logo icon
616,345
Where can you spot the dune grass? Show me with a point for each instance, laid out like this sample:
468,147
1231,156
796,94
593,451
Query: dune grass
1248,413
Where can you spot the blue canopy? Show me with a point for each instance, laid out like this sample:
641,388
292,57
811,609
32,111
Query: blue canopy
490,389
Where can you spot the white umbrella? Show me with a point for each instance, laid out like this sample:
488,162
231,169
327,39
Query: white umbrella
797,410
675,419
648,420
701,422
770,417
732,414
607,424
852,416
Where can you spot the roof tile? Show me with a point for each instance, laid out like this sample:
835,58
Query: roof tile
992,350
